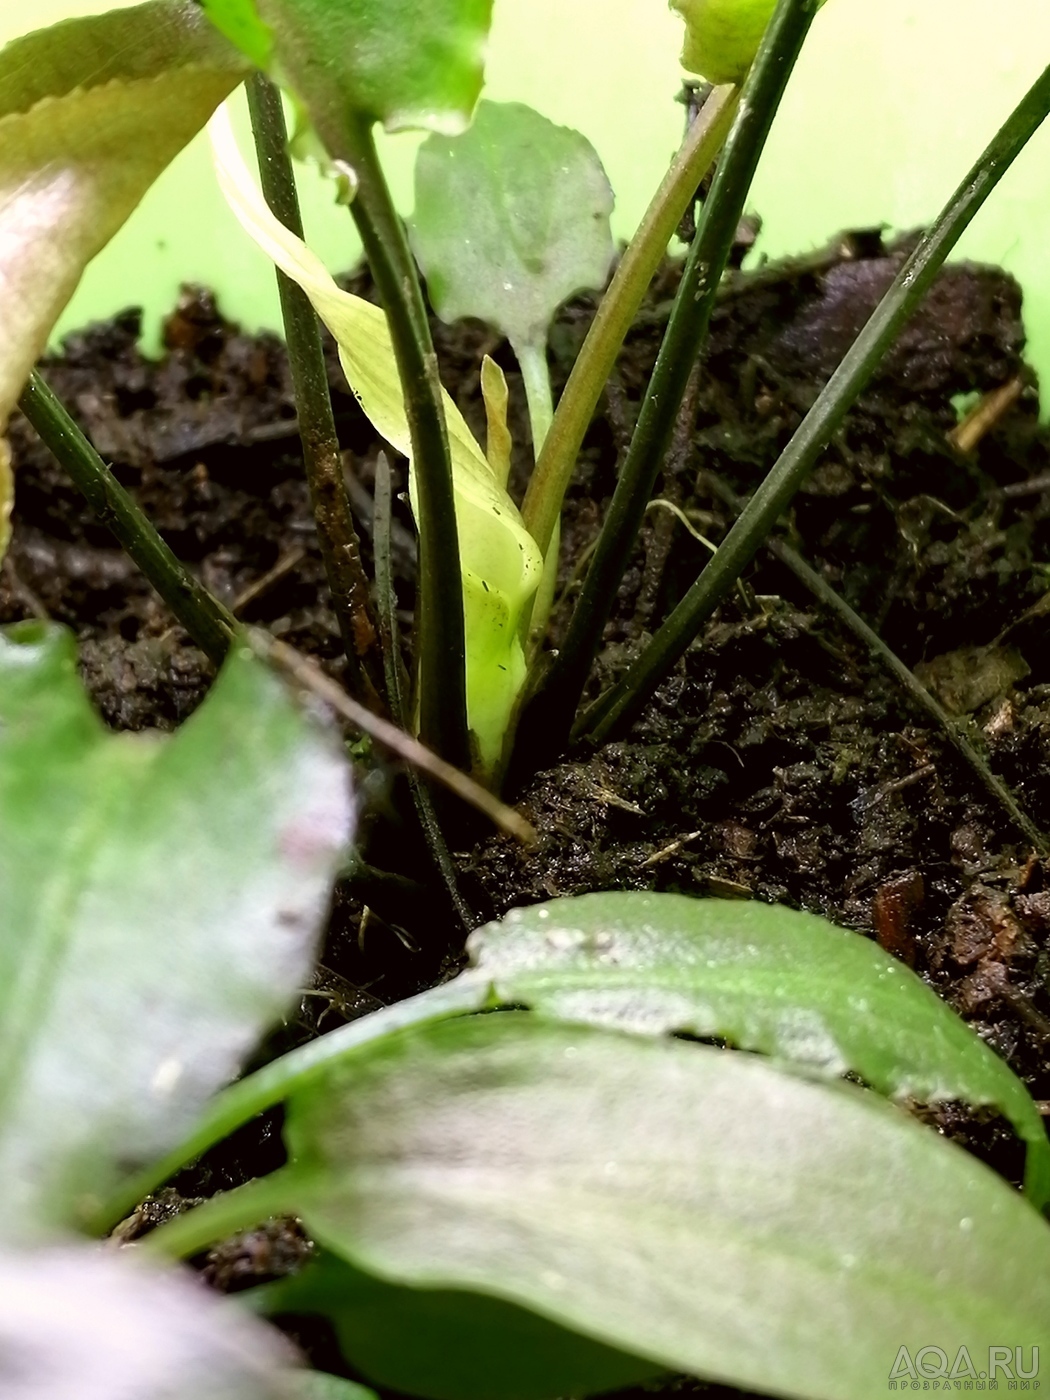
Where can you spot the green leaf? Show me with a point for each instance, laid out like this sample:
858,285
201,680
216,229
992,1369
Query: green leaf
696,1206
500,561
511,219
239,21
765,978
91,111
319,1385
80,1323
722,36
406,63
160,900
448,1345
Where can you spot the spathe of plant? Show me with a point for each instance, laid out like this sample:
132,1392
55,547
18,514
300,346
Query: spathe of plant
162,898
501,565
511,219
91,111
406,65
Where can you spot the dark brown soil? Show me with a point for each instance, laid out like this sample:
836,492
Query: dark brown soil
780,762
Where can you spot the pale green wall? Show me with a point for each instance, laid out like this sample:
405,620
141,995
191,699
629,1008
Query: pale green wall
892,101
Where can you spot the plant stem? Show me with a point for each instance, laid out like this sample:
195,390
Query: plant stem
548,719
546,491
340,547
440,647
223,1215
625,699
909,682
535,374
210,625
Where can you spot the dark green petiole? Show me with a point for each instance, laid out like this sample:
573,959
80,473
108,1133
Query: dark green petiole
340,547
210,625
547,721
620,704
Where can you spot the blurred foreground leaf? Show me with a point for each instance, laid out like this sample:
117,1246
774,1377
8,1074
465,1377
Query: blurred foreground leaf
160,899
82,1324
406,63
91,112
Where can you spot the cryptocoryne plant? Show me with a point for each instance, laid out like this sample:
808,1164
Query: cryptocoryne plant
567,1196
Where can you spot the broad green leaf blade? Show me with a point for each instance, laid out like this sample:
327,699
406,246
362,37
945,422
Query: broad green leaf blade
500,560
402,62
91,111
722,36
511,219
697,1206
82,1323
160,900
447,1345
763,977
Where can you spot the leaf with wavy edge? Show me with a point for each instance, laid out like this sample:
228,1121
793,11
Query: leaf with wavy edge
500,560
91,112
763,977
160,901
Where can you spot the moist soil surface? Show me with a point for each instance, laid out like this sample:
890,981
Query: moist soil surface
780,762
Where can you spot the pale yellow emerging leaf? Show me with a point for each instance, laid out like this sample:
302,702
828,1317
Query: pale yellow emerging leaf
499,440
500,560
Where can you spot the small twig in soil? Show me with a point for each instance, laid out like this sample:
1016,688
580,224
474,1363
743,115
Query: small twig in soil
210,625
309,675
915,689
340,547
984,415
266,581
666,852
1034,486
21,591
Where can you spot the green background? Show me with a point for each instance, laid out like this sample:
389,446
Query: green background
892,101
